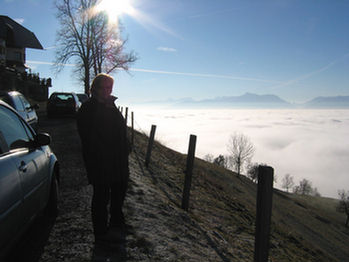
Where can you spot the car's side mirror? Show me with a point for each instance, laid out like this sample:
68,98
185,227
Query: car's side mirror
42,139
35,106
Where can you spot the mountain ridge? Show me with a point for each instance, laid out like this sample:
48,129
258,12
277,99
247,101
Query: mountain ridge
251,100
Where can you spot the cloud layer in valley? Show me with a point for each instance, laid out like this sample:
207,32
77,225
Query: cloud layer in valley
309,144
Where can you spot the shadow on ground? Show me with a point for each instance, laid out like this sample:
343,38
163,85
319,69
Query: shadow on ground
111,252
31,245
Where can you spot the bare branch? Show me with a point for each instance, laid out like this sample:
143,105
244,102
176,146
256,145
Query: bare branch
88,37
241,151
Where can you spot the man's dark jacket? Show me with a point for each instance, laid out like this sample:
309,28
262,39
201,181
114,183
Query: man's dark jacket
105,146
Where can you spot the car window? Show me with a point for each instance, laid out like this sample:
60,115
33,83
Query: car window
3,144
28,131
63,97
13,130
24,101
7,99
18,103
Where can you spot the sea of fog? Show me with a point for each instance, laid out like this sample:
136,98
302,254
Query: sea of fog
310,144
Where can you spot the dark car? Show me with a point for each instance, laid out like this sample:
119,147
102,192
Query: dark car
63,104
29,176
23,107
82,97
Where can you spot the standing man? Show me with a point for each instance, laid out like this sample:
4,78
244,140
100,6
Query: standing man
105,150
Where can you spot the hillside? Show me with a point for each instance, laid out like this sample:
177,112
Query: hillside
303,228
218,227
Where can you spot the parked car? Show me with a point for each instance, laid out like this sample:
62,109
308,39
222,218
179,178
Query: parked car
23,107
62,104
82,97
29,176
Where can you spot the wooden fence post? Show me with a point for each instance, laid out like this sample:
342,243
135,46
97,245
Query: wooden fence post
132,129
263,213
189,172
150,145
126,115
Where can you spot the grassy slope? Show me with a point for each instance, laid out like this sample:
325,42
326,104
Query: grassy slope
303,228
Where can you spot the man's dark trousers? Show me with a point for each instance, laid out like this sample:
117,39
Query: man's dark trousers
101,195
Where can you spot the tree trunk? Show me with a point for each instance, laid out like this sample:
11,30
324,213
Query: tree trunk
87,81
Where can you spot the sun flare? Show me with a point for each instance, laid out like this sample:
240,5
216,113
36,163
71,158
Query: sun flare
115,8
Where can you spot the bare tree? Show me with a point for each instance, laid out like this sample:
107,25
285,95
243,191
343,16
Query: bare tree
108,47
343,205
241,151
87,37
315,192
209,158
304,187
221,161
252,172
287,182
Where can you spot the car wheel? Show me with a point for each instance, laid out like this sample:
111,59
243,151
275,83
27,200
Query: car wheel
52,205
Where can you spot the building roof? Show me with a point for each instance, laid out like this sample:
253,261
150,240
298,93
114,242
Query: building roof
16,35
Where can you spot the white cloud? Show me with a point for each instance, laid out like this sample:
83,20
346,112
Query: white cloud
45,63
304,143
166,49
173,73
19,20
50,47
311,74
39,62
203,75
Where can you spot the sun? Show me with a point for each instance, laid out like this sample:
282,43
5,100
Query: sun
115,8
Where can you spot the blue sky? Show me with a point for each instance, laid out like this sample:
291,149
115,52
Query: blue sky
206,48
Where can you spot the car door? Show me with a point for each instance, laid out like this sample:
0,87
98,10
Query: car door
33,166
10,201
31,163
11,196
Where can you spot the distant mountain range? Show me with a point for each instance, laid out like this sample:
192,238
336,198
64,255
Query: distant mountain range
249,100
329,102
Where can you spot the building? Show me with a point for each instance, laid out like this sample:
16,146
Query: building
14,39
